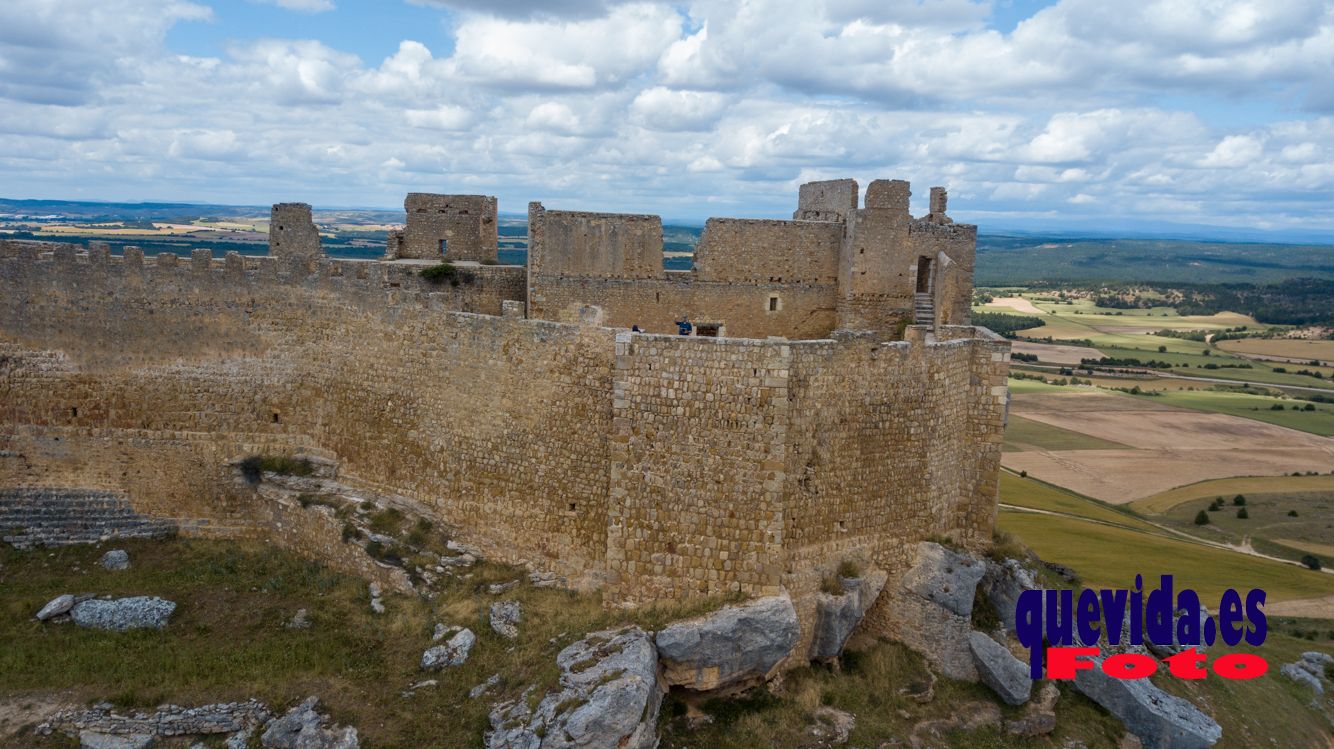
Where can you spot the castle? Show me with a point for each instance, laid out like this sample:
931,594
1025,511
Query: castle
832,402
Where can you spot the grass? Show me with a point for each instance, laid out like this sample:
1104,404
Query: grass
1111,557
1038,495
227,640
1229,487
447,273
1268,526
1025,434
254,466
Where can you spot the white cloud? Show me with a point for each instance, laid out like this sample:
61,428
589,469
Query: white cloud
1085,109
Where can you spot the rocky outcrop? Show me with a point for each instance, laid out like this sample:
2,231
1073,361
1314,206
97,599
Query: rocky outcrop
454,652
505,616
1158,719
1002,583
303,728
836,616
608,696
137,612
1310,670
931,609
998,668
735,645
116,559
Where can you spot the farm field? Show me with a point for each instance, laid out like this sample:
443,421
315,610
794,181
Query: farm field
1026,492
1130,334
1111,556
1160,503
1022,435
1292,348
1302,518
1169,446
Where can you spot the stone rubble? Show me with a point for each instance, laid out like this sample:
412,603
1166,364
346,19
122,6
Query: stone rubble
505,616
116,559
303,728
453,653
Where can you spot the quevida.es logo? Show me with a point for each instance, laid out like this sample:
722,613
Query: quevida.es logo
1048,622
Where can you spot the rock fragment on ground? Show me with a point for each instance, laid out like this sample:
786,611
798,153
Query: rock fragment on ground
303,728
55,607
505,616
299,620
116,559
1007,676
136,612
733,646
454,652
1157,718
608,696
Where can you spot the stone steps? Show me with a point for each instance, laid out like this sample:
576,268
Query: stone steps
61,517
924,309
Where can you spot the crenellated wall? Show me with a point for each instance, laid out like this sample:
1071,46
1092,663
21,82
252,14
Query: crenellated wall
656,466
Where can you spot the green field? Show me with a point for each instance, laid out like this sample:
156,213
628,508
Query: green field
1111,556
1259,407
1025,434
1027,492
1160,503
1268,523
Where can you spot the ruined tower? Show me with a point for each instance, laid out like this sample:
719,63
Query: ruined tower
448,227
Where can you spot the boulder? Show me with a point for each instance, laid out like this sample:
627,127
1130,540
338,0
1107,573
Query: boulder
1168,649
505,617
930,611
1002,583
998,668
733,645
608,696
303,728
55,607
836,616
116,559
137,612
1158,719
454,652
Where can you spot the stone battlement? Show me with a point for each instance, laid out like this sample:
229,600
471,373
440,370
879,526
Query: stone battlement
820,425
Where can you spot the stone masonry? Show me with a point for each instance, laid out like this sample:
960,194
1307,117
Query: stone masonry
448,227
815,424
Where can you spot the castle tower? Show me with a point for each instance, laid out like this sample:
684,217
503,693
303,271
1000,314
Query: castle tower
292,232
449,227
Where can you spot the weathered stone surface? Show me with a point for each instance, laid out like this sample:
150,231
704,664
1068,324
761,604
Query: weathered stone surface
137,612
61,604
1169,649
945,577
931,610
731,645
1303,677
1002,584
1007,676
505,616
303,728
1158,719
116,559
167,721
94,740
837,616
1039,718
608,697
453,652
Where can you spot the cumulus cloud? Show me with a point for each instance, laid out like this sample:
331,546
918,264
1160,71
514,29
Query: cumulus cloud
1083,109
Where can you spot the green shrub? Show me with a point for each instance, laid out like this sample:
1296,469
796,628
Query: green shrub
1292,513
849,568
1242,514
1201,518
446,272
1311,562
1239,501
254,466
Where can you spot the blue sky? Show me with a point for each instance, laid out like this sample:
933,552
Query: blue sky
1079,111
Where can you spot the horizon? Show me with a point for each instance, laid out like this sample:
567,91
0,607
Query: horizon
1026,110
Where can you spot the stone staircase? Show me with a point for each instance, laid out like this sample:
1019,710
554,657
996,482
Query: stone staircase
924,309
62,517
